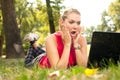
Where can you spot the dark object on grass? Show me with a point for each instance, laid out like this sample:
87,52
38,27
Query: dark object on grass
105,49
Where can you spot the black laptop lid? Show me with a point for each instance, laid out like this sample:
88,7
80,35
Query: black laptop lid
105,48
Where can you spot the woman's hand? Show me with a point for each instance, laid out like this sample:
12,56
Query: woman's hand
76,39
65,34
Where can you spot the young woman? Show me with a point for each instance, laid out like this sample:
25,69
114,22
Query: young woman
66,47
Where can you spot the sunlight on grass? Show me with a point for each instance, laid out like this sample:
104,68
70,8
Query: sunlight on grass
13,69
3,56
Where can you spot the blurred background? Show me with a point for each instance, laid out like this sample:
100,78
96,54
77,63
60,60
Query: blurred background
20,17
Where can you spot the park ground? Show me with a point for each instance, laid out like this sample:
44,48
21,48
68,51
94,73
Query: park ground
13,69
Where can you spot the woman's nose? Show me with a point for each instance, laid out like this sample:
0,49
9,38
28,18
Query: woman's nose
75,26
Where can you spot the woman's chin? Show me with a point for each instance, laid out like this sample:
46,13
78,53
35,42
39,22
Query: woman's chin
73,35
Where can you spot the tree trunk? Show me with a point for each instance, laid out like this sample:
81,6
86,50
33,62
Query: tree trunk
1,44
14,48
50,17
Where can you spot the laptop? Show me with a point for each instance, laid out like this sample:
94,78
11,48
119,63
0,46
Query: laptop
104,50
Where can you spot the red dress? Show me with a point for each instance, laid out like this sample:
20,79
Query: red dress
44,62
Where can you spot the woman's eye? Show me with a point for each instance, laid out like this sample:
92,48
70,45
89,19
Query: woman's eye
78,23
71,22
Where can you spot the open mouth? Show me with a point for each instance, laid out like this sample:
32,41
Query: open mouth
73,33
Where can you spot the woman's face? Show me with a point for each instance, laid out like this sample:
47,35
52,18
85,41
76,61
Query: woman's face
72,23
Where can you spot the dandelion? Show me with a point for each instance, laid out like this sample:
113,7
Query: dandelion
89,72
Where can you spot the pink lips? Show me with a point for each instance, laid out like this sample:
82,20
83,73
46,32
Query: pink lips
73,33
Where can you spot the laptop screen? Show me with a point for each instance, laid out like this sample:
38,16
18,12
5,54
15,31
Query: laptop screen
105,48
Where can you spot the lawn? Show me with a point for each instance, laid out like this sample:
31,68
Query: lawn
13,69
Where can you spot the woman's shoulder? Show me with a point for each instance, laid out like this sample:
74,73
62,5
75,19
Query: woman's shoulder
53,35
50,37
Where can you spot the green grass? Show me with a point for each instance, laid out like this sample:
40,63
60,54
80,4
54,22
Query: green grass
13,69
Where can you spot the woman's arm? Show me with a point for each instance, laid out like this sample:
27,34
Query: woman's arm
52,53
81,53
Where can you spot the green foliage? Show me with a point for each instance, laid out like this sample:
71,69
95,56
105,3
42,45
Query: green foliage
110,20
114,13
30,17
105,25
35,19
77,70
56,6
88,33
43,32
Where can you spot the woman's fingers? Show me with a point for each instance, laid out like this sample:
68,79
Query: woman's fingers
75,39
78,36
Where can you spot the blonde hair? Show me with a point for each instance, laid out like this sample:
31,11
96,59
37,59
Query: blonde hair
69,11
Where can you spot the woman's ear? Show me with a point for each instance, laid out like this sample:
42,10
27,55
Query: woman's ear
60,22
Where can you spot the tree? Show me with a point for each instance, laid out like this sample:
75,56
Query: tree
1,35
57,6
88,33
14,47
105,23
114,13
32,18
50,16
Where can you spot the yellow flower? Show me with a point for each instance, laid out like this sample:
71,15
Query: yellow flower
89,72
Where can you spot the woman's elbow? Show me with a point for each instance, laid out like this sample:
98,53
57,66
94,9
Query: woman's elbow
83,64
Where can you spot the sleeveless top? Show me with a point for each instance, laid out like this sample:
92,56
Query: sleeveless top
44,62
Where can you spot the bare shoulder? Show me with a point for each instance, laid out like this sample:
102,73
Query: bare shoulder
50,38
